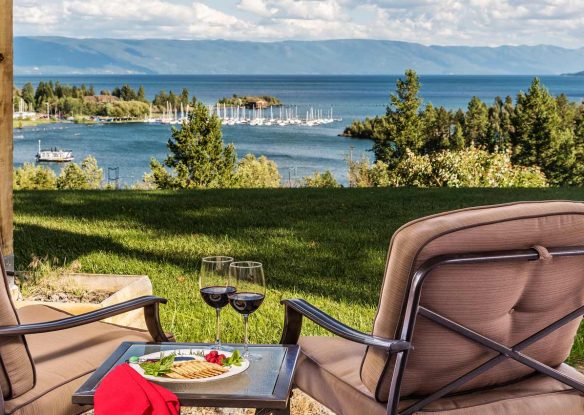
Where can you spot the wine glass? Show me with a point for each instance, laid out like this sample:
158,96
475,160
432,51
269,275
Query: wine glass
248,279
215,288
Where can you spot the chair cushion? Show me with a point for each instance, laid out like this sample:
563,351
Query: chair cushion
16,368
506,302
64,359
328,370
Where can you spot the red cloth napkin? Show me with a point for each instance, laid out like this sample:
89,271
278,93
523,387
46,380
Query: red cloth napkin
125,392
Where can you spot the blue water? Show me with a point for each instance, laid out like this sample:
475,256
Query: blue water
298,150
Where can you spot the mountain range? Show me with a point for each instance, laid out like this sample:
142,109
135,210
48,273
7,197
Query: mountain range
61,55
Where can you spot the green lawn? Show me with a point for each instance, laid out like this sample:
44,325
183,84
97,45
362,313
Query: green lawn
328,246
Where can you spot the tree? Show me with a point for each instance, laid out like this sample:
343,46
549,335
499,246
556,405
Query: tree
437,128
538,138
92,172
198,157
321,180
476,124
84,177
404,129
31,177
184,97
28,93
141,94
72,178
256,173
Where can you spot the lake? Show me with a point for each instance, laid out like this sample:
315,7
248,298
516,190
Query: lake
298,150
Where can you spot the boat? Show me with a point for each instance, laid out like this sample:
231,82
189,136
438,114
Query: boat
54,155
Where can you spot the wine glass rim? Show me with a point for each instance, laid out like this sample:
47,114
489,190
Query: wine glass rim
218,258
246,264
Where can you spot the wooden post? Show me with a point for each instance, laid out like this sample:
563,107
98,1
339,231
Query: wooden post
6,109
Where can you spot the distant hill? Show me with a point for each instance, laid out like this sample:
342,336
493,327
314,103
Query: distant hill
576,74
58,55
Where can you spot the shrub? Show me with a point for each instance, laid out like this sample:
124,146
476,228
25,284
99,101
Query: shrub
252,172
470,167
31,177
321,180
362,174
86,176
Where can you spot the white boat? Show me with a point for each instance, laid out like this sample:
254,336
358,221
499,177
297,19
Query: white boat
54,155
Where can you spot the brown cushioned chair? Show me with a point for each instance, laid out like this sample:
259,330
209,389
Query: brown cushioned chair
477,313
46,354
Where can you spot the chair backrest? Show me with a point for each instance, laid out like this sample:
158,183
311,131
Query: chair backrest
506,302
17,374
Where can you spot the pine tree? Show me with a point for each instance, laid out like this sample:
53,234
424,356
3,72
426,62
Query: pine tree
184,97
142,94
28,93
476,123
437,128
457,141
538,138
198,157
403,129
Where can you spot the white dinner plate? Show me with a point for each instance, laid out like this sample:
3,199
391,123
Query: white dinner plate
188,354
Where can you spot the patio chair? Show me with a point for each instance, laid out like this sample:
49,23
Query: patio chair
46,354
477,314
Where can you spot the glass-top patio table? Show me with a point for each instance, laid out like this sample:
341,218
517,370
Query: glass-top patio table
265,385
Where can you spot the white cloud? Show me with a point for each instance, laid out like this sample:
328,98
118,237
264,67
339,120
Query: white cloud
450,22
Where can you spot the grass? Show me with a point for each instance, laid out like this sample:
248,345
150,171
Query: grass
327,246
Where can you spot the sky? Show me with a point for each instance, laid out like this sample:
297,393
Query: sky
430,22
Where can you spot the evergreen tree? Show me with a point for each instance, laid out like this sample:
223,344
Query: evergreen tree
172,99
476,123
91,91
437,128
184,97
141,94
404,128
28,93
578,172
198,156
457,141
538,138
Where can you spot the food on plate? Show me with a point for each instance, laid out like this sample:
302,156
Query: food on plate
195,369
214,357
158,367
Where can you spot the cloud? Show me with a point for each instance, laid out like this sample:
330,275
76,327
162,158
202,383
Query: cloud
447,22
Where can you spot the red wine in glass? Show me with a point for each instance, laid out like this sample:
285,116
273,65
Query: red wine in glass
215,288
246,303
217,296
248,278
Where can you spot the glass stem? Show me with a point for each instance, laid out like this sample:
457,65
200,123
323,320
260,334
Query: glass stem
245,341
218,328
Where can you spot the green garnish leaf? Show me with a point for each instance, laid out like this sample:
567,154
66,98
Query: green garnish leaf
159,367
234,360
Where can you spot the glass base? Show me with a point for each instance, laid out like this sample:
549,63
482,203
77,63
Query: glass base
221,348
252,357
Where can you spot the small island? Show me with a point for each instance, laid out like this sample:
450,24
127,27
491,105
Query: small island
250,102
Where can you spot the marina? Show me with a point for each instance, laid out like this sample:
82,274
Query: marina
254,117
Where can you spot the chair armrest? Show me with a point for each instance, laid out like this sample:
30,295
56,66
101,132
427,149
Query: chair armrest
296,309
149,303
